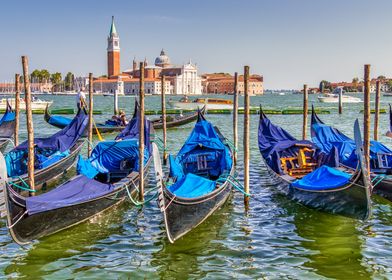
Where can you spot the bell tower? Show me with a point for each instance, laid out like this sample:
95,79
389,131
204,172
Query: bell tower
113,51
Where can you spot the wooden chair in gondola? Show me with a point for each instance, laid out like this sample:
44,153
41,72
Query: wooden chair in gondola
300,165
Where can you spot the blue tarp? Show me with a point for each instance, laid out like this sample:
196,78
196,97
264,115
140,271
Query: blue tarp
63,139
109,156
203,142
327,137
59,121
275,142
61,142
77,190
191,186
323,178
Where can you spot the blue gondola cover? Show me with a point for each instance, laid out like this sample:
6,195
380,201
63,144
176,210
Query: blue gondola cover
59,120
75,191
323,178
195,177
327,138
61,142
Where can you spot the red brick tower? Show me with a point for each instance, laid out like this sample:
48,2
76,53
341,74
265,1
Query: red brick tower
113,52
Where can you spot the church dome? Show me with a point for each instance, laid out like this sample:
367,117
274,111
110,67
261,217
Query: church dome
162,59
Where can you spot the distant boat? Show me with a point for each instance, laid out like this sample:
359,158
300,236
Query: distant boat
36,104
334,97
210,103
387,94
282,93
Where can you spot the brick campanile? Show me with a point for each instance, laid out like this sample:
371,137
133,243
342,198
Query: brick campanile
113,51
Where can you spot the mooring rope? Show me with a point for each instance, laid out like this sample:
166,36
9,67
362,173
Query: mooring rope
17,221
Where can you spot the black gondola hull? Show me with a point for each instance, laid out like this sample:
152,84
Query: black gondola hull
351,200
157,124
32,227
3,145
182,215
44,177
383,187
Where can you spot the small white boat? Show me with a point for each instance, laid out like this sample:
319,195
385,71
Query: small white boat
210,103
334,97
36,104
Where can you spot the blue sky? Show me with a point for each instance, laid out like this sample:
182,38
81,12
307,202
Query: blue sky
290,42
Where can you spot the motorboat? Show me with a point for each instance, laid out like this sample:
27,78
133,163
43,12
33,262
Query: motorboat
334,97
210,103
36,104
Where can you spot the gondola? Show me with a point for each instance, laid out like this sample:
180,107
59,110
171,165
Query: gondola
328,138
103,181
109,126
199,182
7,128
54,155
311,177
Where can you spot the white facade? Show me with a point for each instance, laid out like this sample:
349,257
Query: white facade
188,82
150,87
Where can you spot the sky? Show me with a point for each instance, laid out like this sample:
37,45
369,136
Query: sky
289,42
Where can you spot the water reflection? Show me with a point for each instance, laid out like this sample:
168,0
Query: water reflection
333,242
74,241
182,259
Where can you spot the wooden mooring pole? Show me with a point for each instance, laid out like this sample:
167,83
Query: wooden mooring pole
377,110
366,117
305,113
90,114
141,133
246,135
163,101
17,101
29,120
235,117
115,107
340,109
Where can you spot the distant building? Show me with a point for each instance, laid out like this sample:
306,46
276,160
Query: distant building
223,83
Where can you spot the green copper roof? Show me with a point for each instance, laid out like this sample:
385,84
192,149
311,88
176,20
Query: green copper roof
113,27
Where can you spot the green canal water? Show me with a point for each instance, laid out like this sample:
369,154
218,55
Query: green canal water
275,239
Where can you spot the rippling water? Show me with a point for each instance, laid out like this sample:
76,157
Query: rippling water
276,238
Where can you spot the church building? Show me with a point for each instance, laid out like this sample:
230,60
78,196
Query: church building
180,79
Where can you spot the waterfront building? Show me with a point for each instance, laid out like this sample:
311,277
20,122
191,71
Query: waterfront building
223,83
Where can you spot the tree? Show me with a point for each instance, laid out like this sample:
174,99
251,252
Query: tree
45,75
355,80
324,85
389,83
56,80
35,76
381,77
69,81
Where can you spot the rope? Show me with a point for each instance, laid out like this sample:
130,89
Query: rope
95,126
22,188
380,177
167,206
26,186
140,203
20,218
231,144
230,178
